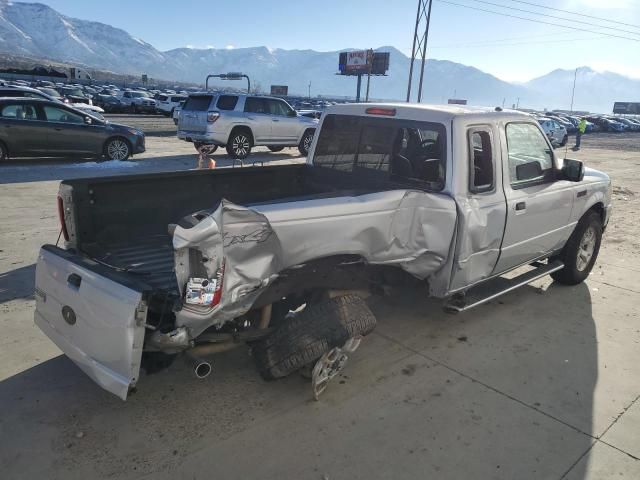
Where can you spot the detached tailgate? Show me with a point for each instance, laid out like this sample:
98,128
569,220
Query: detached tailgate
95,315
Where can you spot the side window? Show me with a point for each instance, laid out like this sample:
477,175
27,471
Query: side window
18,112
33,95
255,105
55,114
227,102
481,161
530,157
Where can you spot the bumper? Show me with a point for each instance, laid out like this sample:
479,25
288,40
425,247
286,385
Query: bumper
146,108
138,144
206,137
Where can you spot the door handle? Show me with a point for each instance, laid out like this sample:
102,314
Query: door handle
275,120
58,129
581,193
521,206
251,118
74,280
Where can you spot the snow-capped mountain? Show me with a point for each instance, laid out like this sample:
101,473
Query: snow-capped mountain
36,30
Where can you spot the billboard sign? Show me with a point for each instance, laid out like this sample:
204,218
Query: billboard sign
359,62
627,108
280,90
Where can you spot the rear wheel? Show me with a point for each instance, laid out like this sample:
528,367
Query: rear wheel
564,140
4,155
117,149
239,144
303,338
305,143
210,148
276,148
581,250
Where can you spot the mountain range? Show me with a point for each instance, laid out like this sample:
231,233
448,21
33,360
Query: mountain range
37,30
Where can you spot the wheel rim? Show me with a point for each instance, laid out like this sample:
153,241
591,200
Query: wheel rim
585,249
240,145
307,142
118,150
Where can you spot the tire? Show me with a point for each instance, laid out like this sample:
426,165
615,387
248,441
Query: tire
117,149
564,140
4,154
212,148
305,142
240,144
581,250
303,338
276,149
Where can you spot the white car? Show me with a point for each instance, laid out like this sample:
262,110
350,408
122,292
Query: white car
137,101
166,103
176,112
556,132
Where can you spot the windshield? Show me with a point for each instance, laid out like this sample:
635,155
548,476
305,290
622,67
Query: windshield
140,95
73,91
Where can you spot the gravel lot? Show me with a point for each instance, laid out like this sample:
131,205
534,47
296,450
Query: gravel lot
540,384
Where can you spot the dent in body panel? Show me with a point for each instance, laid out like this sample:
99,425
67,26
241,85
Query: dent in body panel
408,228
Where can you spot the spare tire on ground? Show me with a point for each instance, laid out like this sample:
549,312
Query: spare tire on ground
304,337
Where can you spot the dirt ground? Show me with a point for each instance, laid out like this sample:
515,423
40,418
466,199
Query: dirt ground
543,383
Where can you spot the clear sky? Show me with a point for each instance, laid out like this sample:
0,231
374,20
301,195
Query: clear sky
509,48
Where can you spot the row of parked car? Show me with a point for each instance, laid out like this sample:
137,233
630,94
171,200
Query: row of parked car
559,126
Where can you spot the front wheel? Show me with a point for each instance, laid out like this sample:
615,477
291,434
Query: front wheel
581,250
117,149
565,139
305,143
210,148
239,145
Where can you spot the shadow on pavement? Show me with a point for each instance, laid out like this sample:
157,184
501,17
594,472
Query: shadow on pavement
532,353
17,283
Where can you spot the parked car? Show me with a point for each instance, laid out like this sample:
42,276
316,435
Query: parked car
165,104
137,101
74,95
28,92
176,112
556,133
240,122
276,256
35,127
628,123
607,125
110,103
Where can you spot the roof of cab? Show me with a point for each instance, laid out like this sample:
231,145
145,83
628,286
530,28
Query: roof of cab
441,113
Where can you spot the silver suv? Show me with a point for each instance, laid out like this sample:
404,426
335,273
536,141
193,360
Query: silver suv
241,122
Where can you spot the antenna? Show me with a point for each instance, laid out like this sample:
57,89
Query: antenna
573,94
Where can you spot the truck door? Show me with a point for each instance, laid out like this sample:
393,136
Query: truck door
538,204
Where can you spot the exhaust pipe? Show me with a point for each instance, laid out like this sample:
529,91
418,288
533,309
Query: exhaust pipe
201,368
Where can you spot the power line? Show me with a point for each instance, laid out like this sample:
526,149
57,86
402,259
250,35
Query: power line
498,43
538,21
576,13
556,17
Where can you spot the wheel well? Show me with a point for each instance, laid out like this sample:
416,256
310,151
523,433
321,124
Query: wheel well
106,142
242,128
599,209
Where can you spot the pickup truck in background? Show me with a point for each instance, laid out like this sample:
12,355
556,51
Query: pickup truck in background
280,258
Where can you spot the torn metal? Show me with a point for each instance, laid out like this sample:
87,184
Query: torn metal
252,245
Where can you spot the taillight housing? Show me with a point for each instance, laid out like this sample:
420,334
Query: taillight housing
212,116
205,292
63,225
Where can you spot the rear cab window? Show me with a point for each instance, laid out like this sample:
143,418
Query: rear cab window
481,160
403,151
198,103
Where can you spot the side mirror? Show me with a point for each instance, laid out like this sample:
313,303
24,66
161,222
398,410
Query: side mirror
88,120
292,113
573,170
529,171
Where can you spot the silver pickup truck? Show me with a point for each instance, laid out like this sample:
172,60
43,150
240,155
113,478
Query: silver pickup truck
280,258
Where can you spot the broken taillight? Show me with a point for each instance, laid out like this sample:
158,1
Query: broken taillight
212,116
63,225
387,112
205,291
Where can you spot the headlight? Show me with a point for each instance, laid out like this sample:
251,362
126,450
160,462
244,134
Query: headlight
133,131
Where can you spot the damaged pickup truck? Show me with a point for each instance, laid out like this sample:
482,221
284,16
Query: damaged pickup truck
280,258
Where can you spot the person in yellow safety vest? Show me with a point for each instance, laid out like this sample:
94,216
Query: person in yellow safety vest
582,127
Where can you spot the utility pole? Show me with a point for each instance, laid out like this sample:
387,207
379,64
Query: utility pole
309,90
419,49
